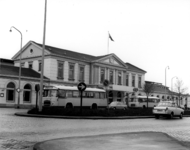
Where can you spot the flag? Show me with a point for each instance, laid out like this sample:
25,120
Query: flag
111,38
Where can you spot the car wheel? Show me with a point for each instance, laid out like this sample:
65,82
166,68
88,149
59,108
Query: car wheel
181,116
171,115
157,116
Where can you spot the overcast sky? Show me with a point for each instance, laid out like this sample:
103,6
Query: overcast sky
150,34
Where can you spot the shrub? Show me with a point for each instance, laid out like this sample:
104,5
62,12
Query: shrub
60,111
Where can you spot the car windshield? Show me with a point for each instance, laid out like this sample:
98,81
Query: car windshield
164,104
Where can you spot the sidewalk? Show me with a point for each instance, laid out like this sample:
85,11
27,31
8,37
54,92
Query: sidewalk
124,141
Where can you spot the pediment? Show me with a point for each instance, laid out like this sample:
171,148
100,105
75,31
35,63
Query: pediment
112,59
30,50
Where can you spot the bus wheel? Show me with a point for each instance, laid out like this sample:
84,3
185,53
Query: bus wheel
94,106
69,106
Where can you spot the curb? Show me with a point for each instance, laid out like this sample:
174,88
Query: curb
24,114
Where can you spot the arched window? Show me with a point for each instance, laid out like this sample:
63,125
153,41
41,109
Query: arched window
10,95
27,93
139,94
162,97
168,97
118,96
158,96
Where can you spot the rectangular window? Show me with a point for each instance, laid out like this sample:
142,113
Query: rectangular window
39,66
60,70
81,73
127,80
119,78
111,77
71,72
30,65
102,75
133,80
139,82
22,64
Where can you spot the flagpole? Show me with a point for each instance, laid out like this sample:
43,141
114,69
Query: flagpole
108,43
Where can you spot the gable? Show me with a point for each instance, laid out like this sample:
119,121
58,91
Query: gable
112,59
30,50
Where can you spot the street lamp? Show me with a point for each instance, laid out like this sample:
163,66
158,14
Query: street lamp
165,77
172,83
18,90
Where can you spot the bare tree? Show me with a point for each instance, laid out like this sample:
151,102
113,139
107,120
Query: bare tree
180,89
148,88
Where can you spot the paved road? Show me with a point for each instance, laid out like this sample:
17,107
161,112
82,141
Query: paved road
23,132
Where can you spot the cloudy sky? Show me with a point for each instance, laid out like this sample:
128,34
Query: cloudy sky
150,34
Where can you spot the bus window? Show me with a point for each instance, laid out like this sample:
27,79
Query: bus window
75,94
69,94
102,95
91,94
45,93
140,100
53,93
96,95
61,93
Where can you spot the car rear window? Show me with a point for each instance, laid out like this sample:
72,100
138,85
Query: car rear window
165,104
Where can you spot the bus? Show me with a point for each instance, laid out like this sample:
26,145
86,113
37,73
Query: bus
70,97
141,101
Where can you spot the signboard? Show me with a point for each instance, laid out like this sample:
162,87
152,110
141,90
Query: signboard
81,86
135,89
106,83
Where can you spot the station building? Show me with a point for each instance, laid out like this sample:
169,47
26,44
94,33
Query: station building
66,67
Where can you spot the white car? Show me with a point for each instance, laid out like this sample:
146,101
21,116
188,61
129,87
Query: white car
117,105
169,109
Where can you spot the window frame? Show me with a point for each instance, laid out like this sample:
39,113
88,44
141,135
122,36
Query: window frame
101,75
81,76
139,82
60,70
71,78
111,81
119,78
127,80
30,64
133,81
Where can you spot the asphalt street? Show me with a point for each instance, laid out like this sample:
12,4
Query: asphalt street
23,132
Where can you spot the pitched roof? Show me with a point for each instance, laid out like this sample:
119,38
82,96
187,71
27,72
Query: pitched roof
69,53
134,68
14,71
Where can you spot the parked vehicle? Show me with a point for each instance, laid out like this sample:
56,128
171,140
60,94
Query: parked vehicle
117,105
141,101
69,97
168,109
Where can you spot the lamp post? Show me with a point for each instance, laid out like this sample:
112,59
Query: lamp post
43,49
172,86
165,77
172,83
18,90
